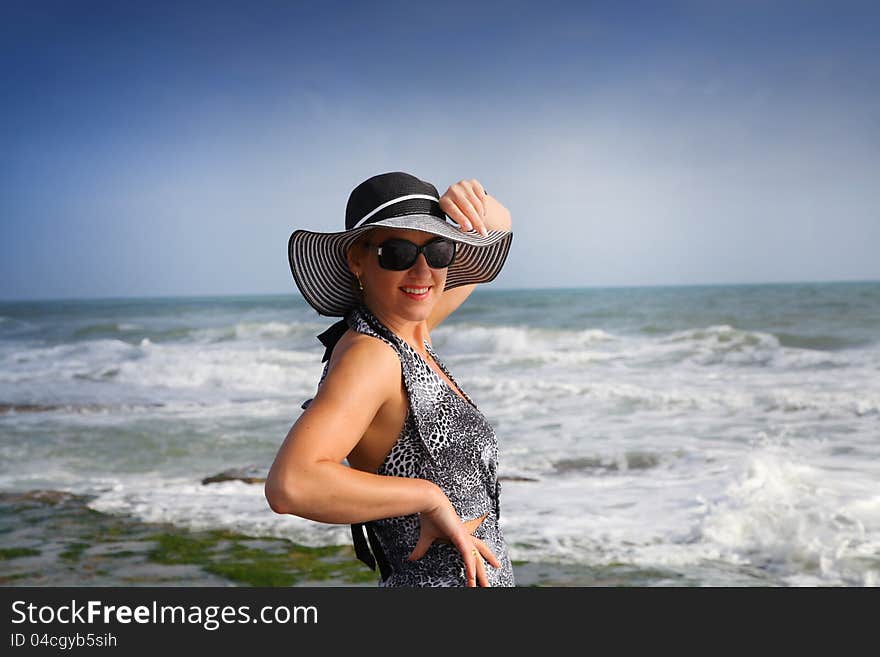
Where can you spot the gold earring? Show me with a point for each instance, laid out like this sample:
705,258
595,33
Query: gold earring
360,285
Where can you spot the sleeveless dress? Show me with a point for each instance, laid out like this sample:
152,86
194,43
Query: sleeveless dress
447,440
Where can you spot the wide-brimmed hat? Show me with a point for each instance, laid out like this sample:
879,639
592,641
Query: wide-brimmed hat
394,200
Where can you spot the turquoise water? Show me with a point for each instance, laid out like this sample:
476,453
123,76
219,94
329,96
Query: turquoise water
723,435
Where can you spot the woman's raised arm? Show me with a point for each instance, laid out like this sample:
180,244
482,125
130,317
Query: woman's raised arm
467,203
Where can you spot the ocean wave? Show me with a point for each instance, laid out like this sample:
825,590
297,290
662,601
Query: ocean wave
106,329
156,370
821,342
768,519
256,331
711,346
673,396
514,340
63,361
246,331
790,401
724,345
632,396
130,333
793,517
259,370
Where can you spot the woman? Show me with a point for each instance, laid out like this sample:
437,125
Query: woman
422,480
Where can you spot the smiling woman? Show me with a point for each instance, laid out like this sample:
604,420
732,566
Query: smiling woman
420,489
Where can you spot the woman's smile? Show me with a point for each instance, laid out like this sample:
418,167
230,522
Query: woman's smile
417,293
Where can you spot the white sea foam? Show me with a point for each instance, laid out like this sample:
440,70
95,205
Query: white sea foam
256,332
155,370
174,366
713,346
777,522
64,361
514,340
232,505
796,518
713,454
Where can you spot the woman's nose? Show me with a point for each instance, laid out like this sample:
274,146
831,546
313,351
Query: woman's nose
421,264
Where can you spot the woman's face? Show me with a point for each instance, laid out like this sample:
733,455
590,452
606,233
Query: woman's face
409,294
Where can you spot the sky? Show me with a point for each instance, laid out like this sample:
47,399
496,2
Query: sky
170,148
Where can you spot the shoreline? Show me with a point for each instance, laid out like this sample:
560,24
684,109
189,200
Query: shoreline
52,538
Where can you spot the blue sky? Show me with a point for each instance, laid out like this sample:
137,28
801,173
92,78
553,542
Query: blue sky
170,148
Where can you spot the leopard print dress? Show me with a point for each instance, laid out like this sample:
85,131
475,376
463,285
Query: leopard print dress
447,440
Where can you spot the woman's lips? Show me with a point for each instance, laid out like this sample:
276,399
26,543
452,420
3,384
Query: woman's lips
416,292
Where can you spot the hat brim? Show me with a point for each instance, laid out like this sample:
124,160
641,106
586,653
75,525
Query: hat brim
319,267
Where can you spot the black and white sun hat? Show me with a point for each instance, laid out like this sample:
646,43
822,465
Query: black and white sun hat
394,200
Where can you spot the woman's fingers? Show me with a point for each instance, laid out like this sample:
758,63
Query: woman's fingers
486,552
469,555
482,578
456,214
472,205
463,202
443,525
482,554
474,193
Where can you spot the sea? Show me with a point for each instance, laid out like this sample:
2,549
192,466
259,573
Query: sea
719,435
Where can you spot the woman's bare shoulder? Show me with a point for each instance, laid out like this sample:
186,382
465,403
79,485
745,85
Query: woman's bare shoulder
359,354
363,373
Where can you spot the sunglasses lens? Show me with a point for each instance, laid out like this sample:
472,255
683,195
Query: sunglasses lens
398,254
440,253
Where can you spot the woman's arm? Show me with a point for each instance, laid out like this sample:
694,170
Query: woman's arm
307,478
467,203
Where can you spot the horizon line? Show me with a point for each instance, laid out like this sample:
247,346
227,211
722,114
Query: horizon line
547,288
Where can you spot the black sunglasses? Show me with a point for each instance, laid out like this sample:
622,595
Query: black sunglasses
399,254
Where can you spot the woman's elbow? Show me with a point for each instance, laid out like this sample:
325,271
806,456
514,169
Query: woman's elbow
282,497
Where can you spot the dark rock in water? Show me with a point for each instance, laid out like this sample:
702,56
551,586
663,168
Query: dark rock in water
581,463
632,460
249,474
52,497
516,478
27,408
9,409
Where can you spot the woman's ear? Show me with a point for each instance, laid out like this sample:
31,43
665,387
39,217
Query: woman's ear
354,256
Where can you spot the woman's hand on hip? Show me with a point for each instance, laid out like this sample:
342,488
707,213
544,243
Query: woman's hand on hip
441,522
469,205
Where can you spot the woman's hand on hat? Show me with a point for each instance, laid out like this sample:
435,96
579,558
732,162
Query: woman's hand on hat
465,203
